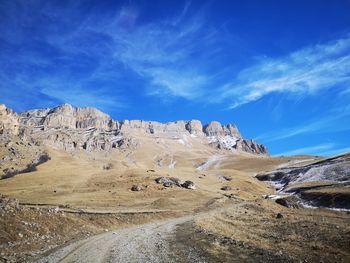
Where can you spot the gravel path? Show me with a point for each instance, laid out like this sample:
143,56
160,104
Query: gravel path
144,243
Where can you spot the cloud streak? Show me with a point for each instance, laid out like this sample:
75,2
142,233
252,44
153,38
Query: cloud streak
166,54
302,72
333,152
325,149
177,56
163,52
336,120
310,150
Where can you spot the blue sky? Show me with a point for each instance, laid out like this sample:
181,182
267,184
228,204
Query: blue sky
280,70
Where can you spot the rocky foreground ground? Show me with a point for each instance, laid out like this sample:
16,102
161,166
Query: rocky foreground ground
227,230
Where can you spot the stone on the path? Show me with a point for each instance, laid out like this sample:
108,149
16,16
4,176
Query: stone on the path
135,188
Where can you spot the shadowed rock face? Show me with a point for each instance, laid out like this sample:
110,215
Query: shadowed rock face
251,146
319,184
195,127
69,128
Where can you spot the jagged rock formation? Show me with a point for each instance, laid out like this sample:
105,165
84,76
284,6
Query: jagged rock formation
215,128
16,153
70,128
9,121
251,146
67,116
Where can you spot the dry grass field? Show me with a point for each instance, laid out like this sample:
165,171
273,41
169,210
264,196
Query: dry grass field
92,193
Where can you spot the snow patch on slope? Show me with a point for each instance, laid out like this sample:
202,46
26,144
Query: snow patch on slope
172,163
214,160
226,142
328,173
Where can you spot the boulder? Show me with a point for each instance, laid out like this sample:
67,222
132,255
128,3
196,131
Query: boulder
167,182
188,185
176,181
282,202
161,180
290,202
107,166
135,188
226,188
227,178
279,216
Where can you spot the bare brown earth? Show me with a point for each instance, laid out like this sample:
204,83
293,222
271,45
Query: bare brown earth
74,196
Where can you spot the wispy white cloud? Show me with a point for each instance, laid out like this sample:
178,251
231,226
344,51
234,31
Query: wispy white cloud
327,124
310,150
335,121
80,98
182,15
305,71
174,55
333,152
163,52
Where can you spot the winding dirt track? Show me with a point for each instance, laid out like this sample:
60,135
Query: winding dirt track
144,243
156,242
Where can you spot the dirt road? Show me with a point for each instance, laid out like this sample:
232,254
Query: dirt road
153,242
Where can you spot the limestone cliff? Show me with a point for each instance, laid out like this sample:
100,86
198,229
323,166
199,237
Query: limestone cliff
71,128
9,121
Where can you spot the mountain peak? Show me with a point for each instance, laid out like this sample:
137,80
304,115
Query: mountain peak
71,128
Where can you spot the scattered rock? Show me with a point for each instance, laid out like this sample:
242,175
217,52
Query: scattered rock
176,181
188,185
135,188
279,216
290,202
168,184
107,166
231,196
226,188
283,202
227,178
161,180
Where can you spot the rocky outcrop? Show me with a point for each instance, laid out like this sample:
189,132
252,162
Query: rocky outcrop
67,116
251,146
9,121
320,184
215,128
333,170
194,127
71,128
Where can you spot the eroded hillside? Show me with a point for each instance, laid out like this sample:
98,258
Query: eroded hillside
75,172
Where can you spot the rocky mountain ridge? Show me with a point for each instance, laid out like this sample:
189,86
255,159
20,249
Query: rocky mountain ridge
73,128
